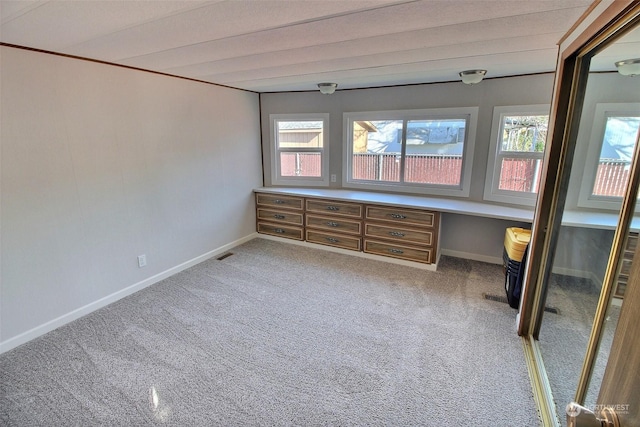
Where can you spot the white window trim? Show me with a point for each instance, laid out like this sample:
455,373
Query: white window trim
276,178
586,199
430,189
492,177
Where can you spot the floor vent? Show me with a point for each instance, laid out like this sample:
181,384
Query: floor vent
495,298
223,256
504,300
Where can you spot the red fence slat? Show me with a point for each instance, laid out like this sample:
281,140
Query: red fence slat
516,174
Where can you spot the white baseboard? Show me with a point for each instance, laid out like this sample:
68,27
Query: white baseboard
495,260
572,272
597,282
102,302
430,267
471,256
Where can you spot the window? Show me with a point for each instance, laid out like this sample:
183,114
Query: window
300,149
613,139
416,151
516,149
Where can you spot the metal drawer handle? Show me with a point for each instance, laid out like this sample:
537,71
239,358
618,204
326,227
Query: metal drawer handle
396,251
396,233
398,216
333,208
277,216
279,230
332,240
279,202
332,224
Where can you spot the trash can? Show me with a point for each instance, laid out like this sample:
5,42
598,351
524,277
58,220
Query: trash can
516,243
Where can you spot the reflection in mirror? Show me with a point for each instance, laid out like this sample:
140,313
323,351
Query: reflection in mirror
612,143
592,209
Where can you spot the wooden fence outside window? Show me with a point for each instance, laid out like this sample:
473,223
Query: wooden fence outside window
516,175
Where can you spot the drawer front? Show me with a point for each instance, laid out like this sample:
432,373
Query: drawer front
279,216
623,277
280,230
625,268
272,200
398,251
338,225
326,207
632,242
405,216
620,288
399,234
337,240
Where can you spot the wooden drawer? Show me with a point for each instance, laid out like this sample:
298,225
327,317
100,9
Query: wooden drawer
337,240
338,225
623,277
398,251
621,287
280,216
280,230
399,234
272,200
625,268
400,215
352,210
632,243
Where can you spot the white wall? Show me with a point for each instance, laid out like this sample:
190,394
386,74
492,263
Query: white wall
463,235
478,238
100,164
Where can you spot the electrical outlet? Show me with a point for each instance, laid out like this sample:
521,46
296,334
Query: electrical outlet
333,177
142,260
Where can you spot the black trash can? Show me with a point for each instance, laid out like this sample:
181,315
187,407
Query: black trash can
514,255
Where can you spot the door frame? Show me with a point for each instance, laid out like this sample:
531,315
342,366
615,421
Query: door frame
602,23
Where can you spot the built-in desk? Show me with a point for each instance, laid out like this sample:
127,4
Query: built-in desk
392,228
363,233
607,221
400,200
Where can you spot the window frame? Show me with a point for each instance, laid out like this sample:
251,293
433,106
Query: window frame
462,190
492,192
586,199
307,181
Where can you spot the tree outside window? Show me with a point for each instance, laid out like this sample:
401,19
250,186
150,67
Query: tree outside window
518,137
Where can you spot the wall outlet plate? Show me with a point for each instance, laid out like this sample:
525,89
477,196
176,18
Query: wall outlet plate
142,260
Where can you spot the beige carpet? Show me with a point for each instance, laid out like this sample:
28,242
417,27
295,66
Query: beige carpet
278,334
564,338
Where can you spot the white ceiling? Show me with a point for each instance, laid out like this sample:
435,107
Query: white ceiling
284,45
626,47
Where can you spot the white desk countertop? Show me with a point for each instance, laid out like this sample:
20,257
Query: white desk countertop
462,207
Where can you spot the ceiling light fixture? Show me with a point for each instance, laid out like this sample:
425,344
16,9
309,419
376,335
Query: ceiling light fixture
629,67
471,77
327,88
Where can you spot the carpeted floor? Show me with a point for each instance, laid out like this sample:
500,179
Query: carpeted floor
564,338
279,334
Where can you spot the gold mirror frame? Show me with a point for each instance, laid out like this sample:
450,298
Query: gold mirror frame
569,90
